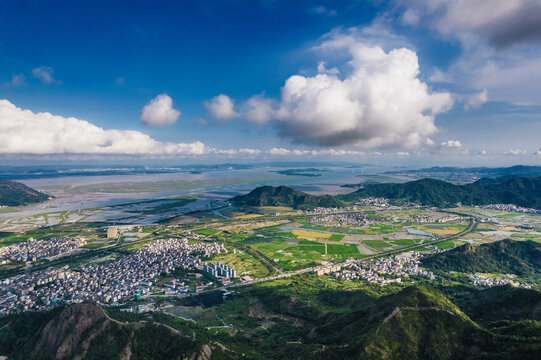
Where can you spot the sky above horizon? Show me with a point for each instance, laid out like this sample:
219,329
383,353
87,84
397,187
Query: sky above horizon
399,82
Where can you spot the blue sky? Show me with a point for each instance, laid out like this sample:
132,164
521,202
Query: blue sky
404,81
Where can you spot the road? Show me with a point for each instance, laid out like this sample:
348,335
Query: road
470,228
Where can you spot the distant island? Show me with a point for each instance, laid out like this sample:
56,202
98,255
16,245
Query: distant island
15,194
310,172
466,175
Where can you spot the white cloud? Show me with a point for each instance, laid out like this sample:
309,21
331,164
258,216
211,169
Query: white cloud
453,144
45,75
452,147
538,153
515,152
322,69
258,109
322,10
500,41
159,111
221,107
402,154
380,103
26,132
16,80
243,151
279,151
502,23
476,100
483,152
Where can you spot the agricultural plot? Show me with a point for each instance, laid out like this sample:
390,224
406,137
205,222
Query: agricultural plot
244,263
296,254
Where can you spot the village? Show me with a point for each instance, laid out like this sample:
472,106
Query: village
31,249
124,279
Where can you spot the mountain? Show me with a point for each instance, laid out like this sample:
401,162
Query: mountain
416,323
507,256
85,331
517,170
499,303
524,192
14,194
285,196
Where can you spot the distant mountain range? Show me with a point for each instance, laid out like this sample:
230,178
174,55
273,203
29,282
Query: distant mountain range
285,196
14,194
507,190
467,175
518,170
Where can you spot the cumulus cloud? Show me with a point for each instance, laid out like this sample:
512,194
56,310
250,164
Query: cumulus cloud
499,38
221,107
45,75
483,153
515,152
452,147
26,132
159,111
502,23
402,154
322,69
538,153
258,109
452,144
381,103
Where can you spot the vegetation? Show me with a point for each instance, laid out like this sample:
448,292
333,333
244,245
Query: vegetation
15,194
507,190
304,317
285,196
507,256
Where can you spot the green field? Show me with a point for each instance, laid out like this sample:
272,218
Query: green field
336,237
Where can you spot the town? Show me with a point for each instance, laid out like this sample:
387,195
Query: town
111,282
386,270
31,249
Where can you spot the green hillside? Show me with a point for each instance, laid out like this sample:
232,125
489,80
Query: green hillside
84,331
508,190
298,318
507,256
14,194
285,196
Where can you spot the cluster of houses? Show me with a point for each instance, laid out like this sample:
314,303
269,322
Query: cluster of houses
341,219
483,281
510,208
31,249
386,270
375,201
123,279
436,219
323,210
